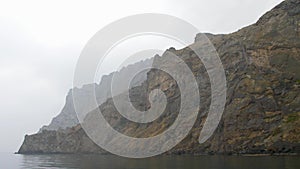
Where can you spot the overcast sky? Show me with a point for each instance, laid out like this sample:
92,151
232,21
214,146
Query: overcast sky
40,42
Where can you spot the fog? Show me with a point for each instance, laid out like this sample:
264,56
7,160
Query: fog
40,42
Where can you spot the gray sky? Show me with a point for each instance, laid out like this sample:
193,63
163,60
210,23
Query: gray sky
40,42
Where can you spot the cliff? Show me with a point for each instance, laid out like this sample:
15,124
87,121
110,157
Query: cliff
262,113
67,118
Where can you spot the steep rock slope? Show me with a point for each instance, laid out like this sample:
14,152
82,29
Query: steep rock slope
68,118
262,114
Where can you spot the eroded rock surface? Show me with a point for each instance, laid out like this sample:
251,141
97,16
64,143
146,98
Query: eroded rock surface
262,113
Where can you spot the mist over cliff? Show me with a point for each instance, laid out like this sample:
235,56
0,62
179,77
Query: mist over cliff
262,113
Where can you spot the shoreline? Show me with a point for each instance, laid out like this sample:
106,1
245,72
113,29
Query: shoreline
172,154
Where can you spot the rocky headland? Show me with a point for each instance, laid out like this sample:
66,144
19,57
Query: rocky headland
262,113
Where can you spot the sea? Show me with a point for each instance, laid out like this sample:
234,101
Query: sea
87,161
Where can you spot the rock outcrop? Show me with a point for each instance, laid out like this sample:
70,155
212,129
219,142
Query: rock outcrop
262,113
67,118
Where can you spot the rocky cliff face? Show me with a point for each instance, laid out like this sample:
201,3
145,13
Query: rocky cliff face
262,113
68,118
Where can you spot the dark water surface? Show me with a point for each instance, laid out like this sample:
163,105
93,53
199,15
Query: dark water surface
12,161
